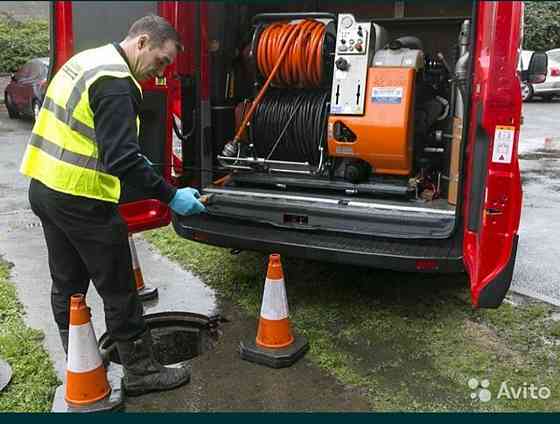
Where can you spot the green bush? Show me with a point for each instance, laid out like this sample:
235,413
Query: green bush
542,25
21,41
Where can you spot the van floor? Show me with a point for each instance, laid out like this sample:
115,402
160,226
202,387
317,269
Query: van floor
401,199
438,206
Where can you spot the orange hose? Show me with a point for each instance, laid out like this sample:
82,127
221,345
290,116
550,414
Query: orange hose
303,66
288,55
222,181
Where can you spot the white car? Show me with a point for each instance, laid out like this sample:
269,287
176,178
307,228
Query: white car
548,89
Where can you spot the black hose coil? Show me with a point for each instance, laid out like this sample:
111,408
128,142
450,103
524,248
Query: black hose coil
291,124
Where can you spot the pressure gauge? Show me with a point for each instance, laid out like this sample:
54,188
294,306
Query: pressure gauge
347,22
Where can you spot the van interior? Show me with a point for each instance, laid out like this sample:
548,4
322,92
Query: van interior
336,117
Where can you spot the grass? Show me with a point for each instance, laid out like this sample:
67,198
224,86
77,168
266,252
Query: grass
34,379
409,342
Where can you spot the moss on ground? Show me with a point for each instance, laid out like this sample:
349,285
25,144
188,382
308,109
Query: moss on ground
34,380
408,341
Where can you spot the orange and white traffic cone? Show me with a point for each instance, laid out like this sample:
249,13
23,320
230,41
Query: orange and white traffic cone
87,388
144,292
275,345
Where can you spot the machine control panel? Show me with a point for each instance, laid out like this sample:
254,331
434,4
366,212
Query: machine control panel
350,70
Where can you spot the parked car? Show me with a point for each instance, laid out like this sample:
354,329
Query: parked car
551,87
25,93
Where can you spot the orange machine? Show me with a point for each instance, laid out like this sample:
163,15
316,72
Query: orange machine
383,135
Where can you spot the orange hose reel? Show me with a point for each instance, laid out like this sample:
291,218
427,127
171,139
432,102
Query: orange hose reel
288,55
303,65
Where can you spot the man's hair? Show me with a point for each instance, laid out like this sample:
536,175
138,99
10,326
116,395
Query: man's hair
157,28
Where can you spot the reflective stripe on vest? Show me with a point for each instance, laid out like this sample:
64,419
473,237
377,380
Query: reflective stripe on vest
62,151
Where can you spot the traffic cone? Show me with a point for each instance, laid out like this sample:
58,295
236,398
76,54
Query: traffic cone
144,292
275,345
87,388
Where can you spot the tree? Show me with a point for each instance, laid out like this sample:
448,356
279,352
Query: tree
21,41
542,25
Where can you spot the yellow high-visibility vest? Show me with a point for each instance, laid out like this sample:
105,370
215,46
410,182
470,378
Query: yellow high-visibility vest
62,152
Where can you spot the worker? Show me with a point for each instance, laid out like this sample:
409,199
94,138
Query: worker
83,146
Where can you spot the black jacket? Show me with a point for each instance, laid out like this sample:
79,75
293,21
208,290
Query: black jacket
115,103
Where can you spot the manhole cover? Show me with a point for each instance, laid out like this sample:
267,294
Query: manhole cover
5,374
177,336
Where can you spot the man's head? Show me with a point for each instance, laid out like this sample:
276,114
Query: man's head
151,44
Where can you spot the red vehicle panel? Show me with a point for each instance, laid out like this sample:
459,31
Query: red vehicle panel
492,210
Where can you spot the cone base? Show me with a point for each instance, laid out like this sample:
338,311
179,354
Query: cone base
147,293
113,402
274,358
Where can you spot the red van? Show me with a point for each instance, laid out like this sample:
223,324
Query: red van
386,138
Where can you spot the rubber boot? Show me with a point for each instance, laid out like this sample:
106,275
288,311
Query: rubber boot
142,373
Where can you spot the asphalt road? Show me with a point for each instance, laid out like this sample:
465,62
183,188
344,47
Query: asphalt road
537,268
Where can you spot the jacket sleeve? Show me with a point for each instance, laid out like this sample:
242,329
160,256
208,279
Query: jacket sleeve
115,106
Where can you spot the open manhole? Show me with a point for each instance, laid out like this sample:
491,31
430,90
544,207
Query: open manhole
177,336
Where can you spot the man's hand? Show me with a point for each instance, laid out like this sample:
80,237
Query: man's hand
185,202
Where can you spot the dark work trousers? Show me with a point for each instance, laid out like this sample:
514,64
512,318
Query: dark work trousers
88,239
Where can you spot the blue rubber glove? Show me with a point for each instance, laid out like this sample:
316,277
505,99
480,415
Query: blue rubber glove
185,202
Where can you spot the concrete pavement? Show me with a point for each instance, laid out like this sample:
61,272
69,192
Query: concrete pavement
537,268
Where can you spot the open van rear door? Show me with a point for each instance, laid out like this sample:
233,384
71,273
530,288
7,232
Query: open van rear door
80,25
492,189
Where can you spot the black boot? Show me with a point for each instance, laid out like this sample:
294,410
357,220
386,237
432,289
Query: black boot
142,373
64,340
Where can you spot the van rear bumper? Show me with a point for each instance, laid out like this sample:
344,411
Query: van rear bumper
375,252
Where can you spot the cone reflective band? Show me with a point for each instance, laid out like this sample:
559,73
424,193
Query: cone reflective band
86,378
274,329
136,264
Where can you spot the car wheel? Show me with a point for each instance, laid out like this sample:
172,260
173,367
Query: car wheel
12,111
526,91
36,108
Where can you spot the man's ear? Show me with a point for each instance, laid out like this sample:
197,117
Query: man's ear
143,41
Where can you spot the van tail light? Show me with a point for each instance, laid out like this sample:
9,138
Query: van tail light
555,72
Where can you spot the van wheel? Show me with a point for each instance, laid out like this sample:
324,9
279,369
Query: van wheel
36,108
12,112
526,91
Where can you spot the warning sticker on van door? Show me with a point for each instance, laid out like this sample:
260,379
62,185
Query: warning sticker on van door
391,95
503,144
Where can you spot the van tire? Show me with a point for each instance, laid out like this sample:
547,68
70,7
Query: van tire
12,112
527,91
35,108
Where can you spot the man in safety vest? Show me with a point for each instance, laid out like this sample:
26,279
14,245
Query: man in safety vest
83,146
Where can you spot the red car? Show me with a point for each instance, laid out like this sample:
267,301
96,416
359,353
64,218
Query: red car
25,93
